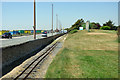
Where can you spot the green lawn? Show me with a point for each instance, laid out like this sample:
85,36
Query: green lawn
87,55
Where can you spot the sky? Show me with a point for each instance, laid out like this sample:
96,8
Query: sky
60,0
19,15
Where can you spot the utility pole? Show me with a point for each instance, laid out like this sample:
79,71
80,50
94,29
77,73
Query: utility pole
60,25
63,29
56,21
34,21
52,19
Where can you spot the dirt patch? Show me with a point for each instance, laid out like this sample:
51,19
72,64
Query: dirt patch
97,33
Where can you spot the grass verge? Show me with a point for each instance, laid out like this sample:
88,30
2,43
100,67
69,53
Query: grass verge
86,56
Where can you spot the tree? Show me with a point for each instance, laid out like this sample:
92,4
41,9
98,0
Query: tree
98,25
77,24
110,24
94,25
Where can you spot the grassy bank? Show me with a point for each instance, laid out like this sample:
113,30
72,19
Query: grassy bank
87,55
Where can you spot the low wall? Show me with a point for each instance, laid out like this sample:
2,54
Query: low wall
15,53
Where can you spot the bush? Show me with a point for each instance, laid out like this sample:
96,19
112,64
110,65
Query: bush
105,28
118,39
94,25
110,24
84,26
73,31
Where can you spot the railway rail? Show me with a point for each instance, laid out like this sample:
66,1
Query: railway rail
27,71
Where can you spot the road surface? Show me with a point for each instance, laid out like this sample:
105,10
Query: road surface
19,40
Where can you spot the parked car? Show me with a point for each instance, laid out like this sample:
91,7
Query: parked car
44,34
7,35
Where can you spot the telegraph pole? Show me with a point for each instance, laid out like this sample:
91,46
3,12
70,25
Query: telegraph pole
60,25
34,21
52,19
56,21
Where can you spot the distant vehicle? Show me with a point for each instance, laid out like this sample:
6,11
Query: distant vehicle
44,34
7,35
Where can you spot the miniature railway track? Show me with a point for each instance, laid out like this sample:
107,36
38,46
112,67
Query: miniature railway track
27,71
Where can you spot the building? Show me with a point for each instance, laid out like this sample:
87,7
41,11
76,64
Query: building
3,31
21,31
27,31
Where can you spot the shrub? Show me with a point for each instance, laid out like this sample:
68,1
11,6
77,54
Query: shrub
73,31
84,26
118,39
94,25
110,24
105,28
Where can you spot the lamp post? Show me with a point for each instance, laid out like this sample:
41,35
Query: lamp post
34,21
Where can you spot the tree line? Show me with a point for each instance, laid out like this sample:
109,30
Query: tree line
109,25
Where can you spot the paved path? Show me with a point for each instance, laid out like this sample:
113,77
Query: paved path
19,40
